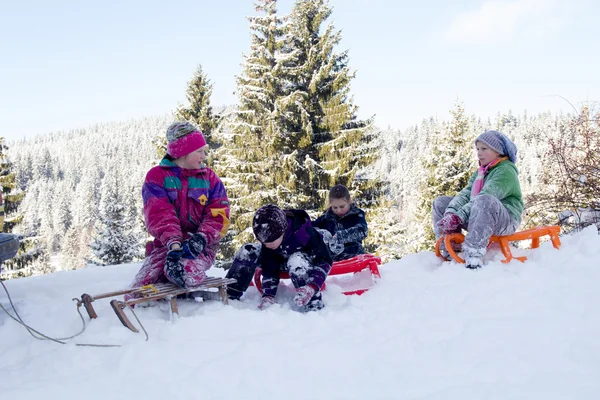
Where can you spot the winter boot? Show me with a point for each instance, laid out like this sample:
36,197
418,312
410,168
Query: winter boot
304,294
315,303
474,261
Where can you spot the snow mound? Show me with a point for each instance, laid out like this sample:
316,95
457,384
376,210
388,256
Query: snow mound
426,330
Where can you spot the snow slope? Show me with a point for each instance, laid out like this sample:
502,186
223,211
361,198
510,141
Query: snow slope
427,330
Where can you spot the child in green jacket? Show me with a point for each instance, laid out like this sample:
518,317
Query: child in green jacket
491,204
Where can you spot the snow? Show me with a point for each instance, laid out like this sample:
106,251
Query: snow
426,330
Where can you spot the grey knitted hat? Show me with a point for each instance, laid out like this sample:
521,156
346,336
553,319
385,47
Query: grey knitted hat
499,143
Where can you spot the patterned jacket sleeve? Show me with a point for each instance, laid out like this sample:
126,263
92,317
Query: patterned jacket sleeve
355,233
160,215
215,221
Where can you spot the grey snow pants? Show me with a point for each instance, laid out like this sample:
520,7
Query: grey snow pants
488,217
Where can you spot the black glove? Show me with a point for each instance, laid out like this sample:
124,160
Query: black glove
174,267
194,246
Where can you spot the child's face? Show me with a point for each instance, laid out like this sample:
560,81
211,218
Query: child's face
195,159
274,244
339,206
485,155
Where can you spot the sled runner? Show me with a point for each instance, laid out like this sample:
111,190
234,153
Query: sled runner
534,234
167,291
354,265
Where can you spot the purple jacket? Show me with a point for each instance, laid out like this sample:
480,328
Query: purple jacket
300,236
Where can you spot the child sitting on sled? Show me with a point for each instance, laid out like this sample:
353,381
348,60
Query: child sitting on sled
491,204
186,210
344,225
288,243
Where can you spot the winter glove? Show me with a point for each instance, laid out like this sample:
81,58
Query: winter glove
336,245
303,295
174,267
325,233
267,301
449,224
194,246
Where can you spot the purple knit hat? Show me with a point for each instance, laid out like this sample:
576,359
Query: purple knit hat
183,138
269,223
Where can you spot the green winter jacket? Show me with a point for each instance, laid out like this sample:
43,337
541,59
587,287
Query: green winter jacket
502,182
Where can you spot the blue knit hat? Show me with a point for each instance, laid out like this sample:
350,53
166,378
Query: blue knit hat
499,143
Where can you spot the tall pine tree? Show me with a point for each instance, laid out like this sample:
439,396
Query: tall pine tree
335,147
447,168
30,254
115,241
199,111
251,154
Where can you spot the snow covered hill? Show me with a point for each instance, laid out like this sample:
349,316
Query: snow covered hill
427,330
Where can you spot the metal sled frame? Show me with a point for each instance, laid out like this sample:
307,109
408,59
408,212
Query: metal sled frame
533,234
167,291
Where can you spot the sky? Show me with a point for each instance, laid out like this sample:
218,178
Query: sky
71,64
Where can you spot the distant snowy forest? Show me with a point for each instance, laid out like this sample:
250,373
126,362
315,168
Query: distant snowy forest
293,134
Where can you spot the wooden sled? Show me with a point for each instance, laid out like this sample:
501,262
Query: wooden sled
167,291
533,234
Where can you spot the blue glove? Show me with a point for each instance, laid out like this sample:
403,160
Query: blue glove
174,267
194,246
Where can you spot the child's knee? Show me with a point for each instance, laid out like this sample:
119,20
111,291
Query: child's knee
298,264
486,202
248,252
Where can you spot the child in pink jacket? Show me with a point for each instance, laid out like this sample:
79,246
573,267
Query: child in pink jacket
186,210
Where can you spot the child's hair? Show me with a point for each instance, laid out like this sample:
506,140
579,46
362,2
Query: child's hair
339,192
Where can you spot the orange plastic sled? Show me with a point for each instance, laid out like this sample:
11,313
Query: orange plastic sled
533,234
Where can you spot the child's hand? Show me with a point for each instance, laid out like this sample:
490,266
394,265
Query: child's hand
267,301
174,267
335,245
449,224
194,246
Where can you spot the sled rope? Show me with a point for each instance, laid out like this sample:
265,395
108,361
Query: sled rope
40,336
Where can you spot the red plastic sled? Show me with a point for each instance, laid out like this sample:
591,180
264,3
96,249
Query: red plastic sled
352,265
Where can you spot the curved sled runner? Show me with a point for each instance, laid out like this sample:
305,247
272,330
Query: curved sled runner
534,234
167,291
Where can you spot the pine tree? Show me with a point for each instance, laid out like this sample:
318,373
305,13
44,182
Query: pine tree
114,241
334,146
199,110
251,157
447,169
11,193
30,258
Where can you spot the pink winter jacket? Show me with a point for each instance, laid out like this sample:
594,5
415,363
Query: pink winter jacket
179,201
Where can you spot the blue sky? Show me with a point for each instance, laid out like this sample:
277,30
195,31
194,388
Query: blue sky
70,64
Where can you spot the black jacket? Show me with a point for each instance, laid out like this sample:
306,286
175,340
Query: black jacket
349,229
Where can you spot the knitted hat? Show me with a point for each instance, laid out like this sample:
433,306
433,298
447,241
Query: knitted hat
183,138
269,224
499,143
